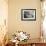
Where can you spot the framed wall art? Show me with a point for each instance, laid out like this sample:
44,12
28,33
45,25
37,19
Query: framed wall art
28,14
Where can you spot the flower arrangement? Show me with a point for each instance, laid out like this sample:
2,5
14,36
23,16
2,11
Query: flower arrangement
21,36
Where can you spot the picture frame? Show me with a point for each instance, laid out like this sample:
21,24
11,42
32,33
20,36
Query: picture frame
28,14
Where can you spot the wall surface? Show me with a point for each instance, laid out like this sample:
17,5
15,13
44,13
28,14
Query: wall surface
14,18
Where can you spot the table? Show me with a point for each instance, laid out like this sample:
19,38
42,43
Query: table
32,42
10,44
35,42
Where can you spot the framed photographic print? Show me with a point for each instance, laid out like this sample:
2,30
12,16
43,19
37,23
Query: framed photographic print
28,14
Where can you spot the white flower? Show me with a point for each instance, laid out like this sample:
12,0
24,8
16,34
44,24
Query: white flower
21,36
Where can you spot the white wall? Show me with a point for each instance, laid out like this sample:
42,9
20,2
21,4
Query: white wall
14,18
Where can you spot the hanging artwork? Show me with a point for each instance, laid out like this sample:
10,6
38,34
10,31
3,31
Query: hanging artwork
28,14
